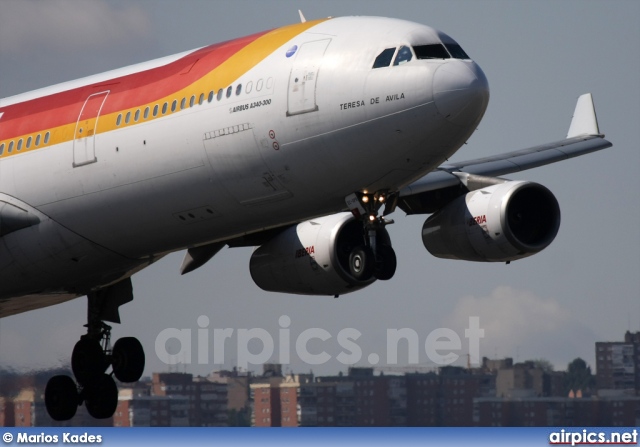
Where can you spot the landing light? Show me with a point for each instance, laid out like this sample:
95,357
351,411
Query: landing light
365,199
372,217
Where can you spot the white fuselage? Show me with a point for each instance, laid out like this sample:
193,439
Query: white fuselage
302,128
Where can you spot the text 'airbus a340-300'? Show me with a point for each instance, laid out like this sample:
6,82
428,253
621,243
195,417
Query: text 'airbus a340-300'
300,141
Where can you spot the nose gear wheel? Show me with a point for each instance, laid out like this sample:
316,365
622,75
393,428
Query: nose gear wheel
375,258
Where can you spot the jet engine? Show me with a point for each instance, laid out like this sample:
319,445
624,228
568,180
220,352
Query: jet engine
499,223
323,256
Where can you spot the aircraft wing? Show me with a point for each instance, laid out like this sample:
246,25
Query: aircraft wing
583,138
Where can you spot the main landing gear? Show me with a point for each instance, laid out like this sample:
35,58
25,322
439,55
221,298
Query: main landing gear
374,258
91,358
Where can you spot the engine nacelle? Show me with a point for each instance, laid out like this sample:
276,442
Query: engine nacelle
499,223
312,257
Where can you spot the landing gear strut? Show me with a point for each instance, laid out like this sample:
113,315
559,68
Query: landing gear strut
375,257
91,358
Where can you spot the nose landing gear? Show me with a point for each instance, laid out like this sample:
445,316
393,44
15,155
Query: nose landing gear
375,258
91,358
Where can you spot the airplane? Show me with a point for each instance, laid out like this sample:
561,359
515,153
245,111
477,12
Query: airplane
300,141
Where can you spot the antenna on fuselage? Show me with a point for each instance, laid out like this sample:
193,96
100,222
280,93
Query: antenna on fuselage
302,19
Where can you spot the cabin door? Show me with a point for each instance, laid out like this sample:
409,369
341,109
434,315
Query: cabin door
301,95
84,141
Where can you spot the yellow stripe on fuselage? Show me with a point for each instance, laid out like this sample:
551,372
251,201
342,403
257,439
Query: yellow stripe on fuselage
222,76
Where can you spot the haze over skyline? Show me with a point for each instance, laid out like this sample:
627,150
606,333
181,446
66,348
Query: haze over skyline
539,56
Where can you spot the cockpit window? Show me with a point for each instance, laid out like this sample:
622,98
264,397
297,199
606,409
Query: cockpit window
434,51
404,55
384,58
456,51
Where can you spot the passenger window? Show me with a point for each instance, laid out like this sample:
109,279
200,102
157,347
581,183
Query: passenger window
249,87
10,147
119,119
127,118
46,138
155,110
220,93
146,113
174,105
19,145
136,117
229,90
384,58
238,89
183,103
259,85
192,101
404,55
28,142
201,100
456,51
164,108
210,98
435,51
1,148
38,140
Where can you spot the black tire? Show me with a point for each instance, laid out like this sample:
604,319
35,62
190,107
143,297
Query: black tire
386,263
361,263
61,398
88,360
127,359
101,397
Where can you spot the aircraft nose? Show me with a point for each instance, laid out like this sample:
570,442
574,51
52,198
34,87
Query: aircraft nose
461,92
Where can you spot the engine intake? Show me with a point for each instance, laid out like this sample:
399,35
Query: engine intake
499,223
313,257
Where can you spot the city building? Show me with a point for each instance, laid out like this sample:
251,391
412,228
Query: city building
623,411
6,412
446,398
206,398
151,411
618,365
275,404
528,380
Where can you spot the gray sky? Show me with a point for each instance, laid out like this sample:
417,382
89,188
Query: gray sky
539,56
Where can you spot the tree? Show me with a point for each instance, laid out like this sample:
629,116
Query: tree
543,364
579,377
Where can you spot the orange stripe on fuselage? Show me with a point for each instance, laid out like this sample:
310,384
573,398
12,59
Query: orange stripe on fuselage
213,67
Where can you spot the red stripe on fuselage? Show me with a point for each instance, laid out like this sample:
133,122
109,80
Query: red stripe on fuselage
125,92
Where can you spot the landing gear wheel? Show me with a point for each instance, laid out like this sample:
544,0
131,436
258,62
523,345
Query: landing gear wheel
386,263
88,360
361,263
127,358
101,397
61,398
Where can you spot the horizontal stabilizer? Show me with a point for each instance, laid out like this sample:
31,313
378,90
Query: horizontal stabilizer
584,120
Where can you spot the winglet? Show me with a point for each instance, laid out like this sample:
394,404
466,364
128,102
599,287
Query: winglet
302,19
584,120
